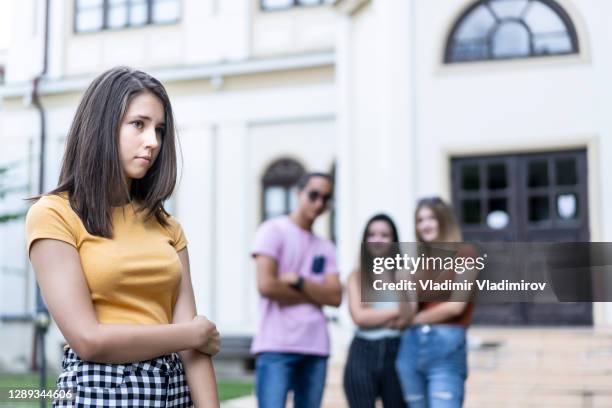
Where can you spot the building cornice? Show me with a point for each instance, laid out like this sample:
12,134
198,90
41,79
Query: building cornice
179,74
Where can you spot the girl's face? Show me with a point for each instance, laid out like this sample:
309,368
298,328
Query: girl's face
140,135
379,231
379,234
427,226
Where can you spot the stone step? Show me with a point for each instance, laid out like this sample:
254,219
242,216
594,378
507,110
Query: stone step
556,387
518,367
541,367
526,400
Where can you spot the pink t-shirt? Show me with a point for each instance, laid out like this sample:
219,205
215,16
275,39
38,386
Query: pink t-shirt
296,328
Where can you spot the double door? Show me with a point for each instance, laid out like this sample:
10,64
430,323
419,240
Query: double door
524,198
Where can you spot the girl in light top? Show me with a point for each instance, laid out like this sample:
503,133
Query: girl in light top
113,265
370,367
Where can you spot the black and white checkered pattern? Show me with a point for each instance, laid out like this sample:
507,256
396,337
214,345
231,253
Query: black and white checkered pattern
160,382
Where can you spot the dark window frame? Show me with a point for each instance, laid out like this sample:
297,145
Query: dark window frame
517,192
105,7
294,4
552,4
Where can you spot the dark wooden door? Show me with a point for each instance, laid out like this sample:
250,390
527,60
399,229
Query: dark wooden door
524,198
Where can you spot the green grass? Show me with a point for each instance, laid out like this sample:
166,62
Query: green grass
228,389
29,380
23,381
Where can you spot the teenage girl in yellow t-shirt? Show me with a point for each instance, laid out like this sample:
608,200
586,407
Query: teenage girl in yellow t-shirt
113,265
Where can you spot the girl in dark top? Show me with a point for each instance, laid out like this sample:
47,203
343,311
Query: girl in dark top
432,359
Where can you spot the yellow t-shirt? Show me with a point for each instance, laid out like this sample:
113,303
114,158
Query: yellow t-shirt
134,277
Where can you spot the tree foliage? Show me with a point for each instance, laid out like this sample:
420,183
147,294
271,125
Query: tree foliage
5,190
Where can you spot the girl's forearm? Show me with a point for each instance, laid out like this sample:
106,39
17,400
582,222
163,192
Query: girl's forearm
367,317
128,343
440,313
200,378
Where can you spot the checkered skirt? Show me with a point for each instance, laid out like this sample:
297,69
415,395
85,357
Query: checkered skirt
160,382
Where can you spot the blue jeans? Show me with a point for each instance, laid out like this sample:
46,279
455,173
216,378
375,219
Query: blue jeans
277,373
432,366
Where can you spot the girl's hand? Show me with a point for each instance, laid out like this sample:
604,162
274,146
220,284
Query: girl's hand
400,322
207,335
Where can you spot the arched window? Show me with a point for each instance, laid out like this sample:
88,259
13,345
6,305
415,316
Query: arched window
504,29
279,189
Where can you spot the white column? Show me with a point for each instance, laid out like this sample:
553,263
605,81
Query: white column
195,209
377,129
57,39
234,281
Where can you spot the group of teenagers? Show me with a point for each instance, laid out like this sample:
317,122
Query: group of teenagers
403,353
113,268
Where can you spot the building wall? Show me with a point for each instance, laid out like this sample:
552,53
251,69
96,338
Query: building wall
208,31
23,60
389,112
518,106
376,114
297,30
466,109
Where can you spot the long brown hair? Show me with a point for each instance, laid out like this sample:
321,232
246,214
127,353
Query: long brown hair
365,257
91,172
448,229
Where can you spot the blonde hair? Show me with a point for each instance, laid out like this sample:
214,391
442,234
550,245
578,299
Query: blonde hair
448,228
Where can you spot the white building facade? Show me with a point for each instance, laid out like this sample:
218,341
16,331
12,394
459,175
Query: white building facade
399,99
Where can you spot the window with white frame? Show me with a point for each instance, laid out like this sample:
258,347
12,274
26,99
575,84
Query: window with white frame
279,188
97,15
505,29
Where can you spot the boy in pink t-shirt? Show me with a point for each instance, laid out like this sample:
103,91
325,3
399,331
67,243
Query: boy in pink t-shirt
296,276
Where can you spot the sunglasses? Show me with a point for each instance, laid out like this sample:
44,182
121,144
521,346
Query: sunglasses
314,195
